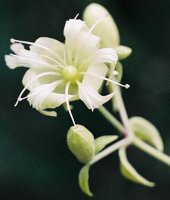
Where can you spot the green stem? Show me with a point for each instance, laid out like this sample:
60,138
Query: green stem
136,142
151,151
109,150
123,114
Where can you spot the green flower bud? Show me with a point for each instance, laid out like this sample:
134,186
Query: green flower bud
81,143
106,29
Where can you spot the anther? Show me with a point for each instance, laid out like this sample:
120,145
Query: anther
127,86
12,40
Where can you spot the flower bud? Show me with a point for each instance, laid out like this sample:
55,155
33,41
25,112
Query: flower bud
106,28
123,52
81,143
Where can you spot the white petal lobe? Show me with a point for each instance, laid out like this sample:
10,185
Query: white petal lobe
91,98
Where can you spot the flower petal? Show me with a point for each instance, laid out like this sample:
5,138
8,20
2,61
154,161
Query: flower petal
105,55
25,58
93,82
38,95
28,76
79,40
54,100
11,62
49,48
91,98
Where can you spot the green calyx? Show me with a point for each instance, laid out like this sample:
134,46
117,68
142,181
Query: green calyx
81,143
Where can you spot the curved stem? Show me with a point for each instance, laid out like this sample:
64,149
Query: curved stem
151,151
110,149
123,114
136,142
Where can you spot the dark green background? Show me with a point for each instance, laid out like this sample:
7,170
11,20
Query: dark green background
34,160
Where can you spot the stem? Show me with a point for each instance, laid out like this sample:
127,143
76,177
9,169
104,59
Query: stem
123,113
111,119
129,135
151,151
110,149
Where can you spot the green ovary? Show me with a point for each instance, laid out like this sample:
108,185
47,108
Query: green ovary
70,73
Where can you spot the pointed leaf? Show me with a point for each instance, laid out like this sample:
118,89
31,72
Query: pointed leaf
102,141
129,172
84,180
147,132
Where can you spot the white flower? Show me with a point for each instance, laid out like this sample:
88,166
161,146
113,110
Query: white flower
62,72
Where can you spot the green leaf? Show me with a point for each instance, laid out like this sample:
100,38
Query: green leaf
102,141
146,131
84,180
129,172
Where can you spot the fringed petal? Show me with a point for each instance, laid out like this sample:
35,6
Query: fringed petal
80,41
94,82
91,98
105,55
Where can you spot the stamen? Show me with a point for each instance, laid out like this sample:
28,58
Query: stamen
67,102
58,64
106,79
34,79
76,16
40,46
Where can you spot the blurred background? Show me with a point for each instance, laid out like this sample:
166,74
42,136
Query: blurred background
34,159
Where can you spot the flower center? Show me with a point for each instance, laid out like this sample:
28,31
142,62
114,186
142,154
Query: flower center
70,73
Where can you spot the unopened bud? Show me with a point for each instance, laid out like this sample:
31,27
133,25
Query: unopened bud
123,51
81,143
106,29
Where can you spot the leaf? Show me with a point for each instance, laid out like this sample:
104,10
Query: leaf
146,131
102,141
129,172
84,180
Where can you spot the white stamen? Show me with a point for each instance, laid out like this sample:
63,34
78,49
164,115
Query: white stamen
106,79
67,102
40,46
29,83
76,16
53,60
